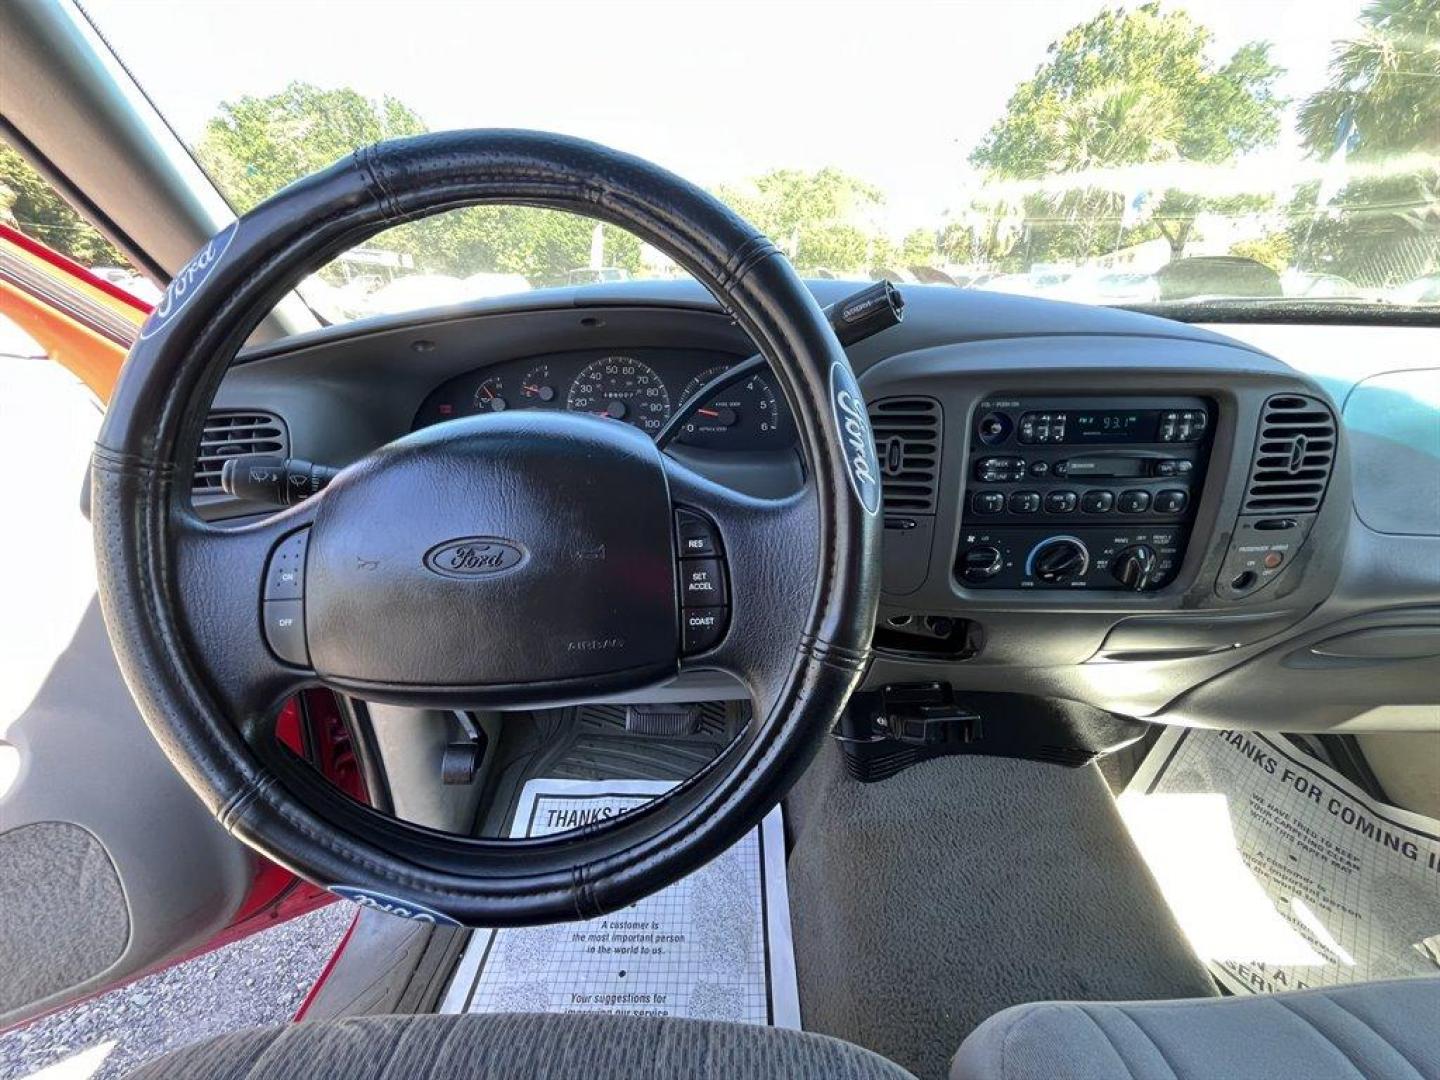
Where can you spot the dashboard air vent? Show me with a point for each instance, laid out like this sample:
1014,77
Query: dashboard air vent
229,434
1294,454
907,444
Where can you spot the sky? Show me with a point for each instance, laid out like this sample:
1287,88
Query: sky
895,91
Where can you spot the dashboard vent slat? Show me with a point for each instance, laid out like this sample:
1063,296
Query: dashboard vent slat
230,434
1294,455
907,444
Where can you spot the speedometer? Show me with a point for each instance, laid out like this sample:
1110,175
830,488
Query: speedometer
621,388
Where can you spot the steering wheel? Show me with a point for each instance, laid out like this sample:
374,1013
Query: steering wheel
517,559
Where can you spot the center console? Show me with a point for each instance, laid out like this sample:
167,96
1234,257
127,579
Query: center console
1095,493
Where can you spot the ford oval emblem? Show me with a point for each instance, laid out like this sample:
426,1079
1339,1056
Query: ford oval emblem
474,556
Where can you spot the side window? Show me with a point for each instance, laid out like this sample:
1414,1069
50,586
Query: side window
47,414
31,206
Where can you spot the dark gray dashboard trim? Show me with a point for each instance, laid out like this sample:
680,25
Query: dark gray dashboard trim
972,339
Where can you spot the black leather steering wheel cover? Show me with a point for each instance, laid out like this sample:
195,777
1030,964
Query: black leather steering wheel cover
141,498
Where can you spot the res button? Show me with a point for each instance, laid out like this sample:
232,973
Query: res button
696,535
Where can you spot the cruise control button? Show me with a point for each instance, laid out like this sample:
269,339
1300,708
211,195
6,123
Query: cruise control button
988,502
284,622
1097,502
285,575
1134,502
702,628
696,534
1171,501
1060,502
702,583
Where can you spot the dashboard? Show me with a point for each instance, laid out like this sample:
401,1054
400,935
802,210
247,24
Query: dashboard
638,386
1084,504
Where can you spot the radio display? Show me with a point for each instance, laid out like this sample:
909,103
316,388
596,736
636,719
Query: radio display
1113,426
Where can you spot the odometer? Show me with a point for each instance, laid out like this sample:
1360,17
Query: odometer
621,388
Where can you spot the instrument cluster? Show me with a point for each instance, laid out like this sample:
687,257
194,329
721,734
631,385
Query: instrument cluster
641,386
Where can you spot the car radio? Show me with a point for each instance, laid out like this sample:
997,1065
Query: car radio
1081,493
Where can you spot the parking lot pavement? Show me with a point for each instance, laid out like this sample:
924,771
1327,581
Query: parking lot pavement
260,980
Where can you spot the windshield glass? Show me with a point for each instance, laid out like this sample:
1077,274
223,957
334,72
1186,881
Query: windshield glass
1221,153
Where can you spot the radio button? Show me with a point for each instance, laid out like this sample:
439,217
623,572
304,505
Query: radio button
1060,502
988,502
1039,469
1000,470
1134,502
1173,467
1098,502
1172,501
1025,502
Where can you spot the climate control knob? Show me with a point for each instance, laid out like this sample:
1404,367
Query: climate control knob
1059,560
1136,567
982,562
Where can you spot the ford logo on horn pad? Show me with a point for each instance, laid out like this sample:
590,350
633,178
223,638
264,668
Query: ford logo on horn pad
474,556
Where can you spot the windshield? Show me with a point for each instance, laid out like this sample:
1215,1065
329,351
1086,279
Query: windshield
1218,153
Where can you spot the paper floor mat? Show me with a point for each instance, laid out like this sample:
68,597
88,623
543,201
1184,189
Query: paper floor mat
715,945
1282,873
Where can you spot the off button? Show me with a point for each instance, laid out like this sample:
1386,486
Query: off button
702,583
702,628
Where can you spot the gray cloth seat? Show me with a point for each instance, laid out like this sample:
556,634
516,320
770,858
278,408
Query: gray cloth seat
1375,1031
519,1047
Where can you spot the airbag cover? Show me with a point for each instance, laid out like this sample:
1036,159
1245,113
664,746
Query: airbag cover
496,550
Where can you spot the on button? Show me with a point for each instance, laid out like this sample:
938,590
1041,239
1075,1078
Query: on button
285,575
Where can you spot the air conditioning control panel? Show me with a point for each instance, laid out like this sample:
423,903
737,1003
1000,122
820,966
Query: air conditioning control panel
1137,559
1081,492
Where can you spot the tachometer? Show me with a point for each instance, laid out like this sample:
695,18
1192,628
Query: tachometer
747,412
621,388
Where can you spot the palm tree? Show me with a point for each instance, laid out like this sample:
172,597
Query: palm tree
1384,84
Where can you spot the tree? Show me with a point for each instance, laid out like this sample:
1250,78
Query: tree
1381,111
1273,249
255,146
1127,88
29,204
920,248
1384,85
824,220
